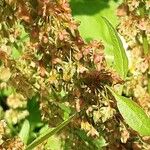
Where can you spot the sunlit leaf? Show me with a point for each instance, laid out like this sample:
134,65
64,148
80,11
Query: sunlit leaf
120,57
66,110
92,27
54,142
133,114
15,53
24,132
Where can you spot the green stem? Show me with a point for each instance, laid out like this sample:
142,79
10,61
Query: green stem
145,43
13,130
144,36
148,87
49,133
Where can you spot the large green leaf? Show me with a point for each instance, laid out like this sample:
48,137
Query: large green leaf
92,26
88,12
24,132
134,116
120,57
50,132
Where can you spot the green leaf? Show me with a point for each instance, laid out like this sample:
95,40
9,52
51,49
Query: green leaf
133,114
54,142
66,110
24,132
100,142
92,27
97,143
49,133
6,91
15,53
83,136
34,112
88,13
120,57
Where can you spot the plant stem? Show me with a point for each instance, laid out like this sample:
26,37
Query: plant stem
148,87
144,36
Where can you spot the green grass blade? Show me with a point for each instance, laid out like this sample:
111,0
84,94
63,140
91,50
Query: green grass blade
49,133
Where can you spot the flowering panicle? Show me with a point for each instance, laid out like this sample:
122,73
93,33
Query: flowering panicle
42,54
